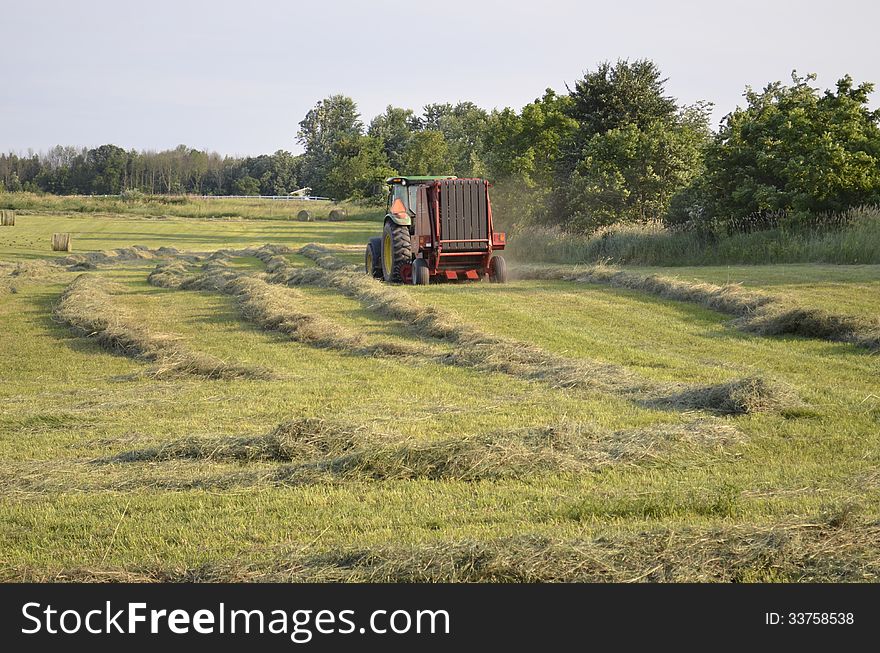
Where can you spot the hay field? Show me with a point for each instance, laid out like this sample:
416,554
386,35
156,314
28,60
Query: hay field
204,407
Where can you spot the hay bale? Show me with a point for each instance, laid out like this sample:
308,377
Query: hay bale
304,216
337,215
7,218
61,243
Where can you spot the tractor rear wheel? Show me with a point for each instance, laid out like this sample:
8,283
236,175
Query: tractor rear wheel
497,269
396,251
373,258
421,275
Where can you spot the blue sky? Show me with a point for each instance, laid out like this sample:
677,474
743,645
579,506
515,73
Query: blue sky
237,77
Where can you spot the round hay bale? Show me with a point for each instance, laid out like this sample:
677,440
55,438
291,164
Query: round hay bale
337,215
61,243
304,216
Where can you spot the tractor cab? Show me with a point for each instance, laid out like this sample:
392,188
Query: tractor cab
437,228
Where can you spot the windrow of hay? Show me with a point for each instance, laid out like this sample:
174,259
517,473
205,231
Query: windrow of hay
819,549
326,452
738,397
478,349
91,260
779,319
303,439
732,299
757,312
89,306
275,308
13,276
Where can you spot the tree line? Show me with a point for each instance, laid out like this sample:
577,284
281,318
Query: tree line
615,147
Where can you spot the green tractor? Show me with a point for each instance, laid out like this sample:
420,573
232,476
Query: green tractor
437,229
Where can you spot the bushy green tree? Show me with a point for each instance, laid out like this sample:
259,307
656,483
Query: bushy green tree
632,148
463,126
630,173
246,185
394,128
791,148
522,155
359,169
426,153
327,129
108,163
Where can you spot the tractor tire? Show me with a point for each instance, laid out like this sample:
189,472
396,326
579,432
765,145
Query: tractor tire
373,258
396,251
497,269
421,275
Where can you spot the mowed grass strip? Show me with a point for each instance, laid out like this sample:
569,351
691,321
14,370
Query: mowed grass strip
89,306
276,308
825,547
479,349
756,312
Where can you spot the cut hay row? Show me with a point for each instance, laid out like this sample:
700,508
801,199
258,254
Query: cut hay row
276,308
14,276
89,306
780,319
312,452
475,348
819,549
757,312
91,260
323,452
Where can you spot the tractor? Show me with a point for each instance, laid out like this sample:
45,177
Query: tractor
437,229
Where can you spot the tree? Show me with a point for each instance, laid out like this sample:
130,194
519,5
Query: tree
109,164
630,173
333,122
521,152
426,153
616,95
633,148
791,149
359,169
246,185
394,128
463,126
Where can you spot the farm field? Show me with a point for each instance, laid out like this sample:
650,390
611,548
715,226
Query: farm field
544,430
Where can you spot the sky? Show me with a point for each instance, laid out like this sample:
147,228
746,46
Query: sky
237,77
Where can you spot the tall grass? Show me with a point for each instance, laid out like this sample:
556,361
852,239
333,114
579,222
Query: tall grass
183,206
856,242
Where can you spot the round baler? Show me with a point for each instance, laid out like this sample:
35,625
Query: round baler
437,229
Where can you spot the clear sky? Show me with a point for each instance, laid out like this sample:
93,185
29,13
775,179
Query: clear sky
237,77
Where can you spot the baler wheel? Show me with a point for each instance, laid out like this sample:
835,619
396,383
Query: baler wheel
421,275
373,258
395,251
497,269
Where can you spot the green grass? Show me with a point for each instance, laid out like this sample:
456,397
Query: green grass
857,243
65,402
847,289
164,206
